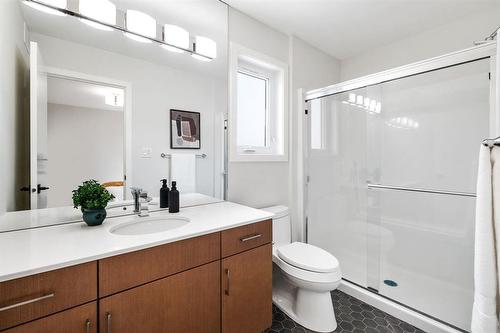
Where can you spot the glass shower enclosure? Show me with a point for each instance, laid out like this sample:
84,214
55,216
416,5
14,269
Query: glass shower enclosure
391,169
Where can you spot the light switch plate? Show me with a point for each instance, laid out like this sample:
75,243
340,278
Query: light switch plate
147,152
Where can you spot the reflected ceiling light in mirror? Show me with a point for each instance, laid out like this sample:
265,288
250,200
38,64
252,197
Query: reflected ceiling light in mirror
141,24
175,36
53,3
99,10
205,48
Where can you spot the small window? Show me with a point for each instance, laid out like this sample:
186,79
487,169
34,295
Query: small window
258,119
252,111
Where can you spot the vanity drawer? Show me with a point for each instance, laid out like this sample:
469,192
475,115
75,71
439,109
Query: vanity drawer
39,295
133,269
80,319
247,237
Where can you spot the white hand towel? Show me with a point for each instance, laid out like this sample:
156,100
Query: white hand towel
486,281
183,171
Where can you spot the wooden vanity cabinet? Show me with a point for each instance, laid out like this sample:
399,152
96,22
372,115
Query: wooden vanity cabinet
82,319
40,295
247,278
247,291
220,282
184,302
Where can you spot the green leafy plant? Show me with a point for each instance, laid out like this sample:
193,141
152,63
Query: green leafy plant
91,195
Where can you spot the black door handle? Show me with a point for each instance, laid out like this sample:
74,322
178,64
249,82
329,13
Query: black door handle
41,188
27,189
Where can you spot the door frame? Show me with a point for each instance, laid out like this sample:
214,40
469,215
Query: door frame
127,130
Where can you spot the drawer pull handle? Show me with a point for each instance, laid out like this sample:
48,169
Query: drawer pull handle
248,238
228,277
87,326
33,300
108,321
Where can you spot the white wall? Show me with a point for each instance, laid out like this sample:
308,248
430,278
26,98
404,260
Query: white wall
155,90
311,68
258,184
261,184
447,38
14,80
82,144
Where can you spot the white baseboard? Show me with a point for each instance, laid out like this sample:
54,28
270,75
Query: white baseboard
411,317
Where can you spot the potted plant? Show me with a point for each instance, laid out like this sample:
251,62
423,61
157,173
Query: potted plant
92,198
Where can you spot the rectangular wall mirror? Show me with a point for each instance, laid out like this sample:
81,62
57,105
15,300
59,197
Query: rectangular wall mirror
93,95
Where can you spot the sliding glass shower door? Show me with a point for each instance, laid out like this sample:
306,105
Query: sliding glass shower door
392,173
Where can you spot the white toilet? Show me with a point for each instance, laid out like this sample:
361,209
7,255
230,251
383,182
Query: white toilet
303,277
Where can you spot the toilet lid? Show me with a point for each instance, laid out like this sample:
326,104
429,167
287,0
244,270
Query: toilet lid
308,257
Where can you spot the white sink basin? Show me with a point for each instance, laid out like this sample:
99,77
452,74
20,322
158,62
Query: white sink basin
149,225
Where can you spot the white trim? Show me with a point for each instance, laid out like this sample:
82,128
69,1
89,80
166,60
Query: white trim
477,52
127,86
414,318
237,52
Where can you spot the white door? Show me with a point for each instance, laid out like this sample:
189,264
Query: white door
38,129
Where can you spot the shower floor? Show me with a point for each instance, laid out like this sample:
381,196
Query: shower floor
352,315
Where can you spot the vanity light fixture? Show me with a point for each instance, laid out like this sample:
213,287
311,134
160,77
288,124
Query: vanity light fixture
140,24
102,14
205,49
45,6
175,36
98,10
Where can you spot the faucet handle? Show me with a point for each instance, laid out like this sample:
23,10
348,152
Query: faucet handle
136,190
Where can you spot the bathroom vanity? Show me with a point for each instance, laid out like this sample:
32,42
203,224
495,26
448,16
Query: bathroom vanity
212,274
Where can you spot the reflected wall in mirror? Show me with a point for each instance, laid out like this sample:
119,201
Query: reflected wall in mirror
81,100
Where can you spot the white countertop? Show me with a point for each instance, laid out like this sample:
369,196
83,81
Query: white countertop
36,218
27,252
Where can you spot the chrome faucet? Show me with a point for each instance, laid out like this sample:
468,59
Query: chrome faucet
141,200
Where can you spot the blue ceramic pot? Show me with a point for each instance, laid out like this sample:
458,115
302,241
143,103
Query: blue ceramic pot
94,217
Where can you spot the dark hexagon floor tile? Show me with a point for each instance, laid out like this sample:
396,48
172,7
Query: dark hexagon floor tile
353,316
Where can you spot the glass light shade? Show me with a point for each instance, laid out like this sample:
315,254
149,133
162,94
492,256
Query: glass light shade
206,47
54,3
100,10
141,24
176,36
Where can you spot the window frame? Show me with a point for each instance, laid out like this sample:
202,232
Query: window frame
255,64
258,75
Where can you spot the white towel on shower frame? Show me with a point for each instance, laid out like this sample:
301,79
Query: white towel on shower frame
487,237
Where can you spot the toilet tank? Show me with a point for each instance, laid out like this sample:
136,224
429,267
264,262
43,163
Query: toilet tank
282,228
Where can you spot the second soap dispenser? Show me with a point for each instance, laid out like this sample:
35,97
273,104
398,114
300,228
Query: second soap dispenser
173,199
164,191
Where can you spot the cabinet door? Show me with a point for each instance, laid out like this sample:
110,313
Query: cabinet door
82,319
247,291
184,302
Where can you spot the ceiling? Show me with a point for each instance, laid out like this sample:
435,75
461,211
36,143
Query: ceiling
79,94
345,28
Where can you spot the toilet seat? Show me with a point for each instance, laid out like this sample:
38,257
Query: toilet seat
308,257
306,275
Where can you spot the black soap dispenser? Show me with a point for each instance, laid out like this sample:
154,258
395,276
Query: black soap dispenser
164,191
173,199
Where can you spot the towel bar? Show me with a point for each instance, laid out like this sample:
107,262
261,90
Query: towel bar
163,155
